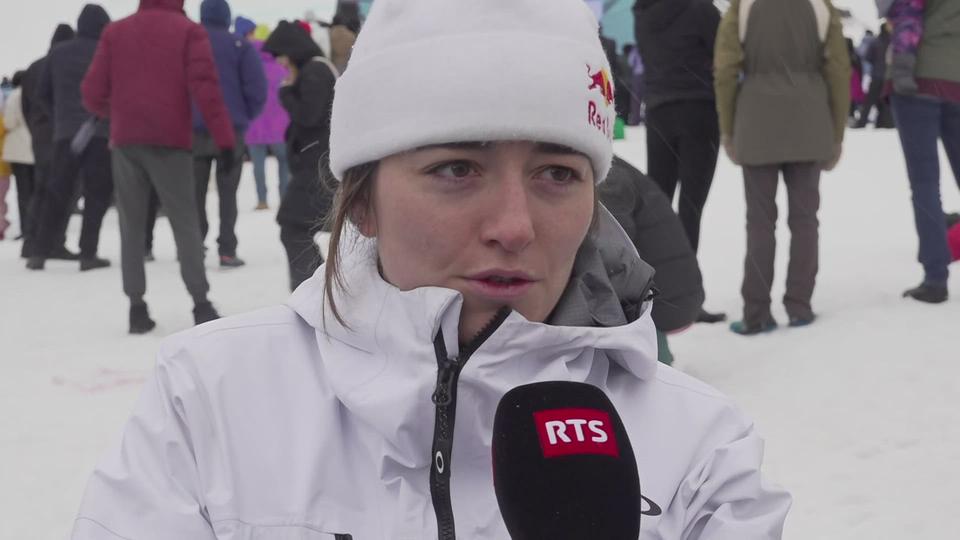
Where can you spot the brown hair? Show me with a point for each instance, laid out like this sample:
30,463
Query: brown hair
352,201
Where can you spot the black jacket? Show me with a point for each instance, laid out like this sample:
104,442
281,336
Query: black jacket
309,103
67,63
38,121
645,214
676,40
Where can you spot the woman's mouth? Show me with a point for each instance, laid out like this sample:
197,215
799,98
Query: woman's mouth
500,285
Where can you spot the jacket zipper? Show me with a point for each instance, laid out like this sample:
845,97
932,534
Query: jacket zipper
445,400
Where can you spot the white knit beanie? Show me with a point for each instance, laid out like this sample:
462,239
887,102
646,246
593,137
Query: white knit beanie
428,72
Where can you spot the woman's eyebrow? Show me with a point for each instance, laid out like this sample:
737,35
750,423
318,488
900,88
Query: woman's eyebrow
468,145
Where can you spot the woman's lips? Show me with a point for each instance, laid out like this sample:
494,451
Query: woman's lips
500,285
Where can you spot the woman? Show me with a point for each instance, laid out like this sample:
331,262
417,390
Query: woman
17,150
488,259
307,96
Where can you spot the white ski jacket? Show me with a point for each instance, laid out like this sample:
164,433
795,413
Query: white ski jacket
284,424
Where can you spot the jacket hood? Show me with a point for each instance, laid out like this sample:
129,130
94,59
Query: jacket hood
93,19
63,33
170,5
289,39
215,13
243,26
657,15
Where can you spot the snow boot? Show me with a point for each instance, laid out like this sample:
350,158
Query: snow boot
36,263
92,263
63,254
231,261
140,321
741,328
204,312
928,292
710,318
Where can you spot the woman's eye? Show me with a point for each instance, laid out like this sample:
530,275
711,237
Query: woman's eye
454,170
560,175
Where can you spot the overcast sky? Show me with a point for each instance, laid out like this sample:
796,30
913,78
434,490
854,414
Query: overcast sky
28,24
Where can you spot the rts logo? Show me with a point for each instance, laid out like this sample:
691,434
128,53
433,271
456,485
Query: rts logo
568,432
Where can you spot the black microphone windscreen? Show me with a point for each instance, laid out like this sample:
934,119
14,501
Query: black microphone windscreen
563,466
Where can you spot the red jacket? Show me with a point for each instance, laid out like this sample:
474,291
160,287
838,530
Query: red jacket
146,70
953,240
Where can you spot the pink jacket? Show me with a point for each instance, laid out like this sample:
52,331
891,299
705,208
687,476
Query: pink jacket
270,126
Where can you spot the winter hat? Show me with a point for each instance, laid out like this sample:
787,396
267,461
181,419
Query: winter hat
243,26
215,13
262,32
93,19
64,32
291,40
440,71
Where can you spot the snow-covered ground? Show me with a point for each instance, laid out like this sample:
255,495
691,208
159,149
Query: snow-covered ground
860,410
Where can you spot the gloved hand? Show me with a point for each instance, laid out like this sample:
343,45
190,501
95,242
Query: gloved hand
901,73
728,148
832,162
227,156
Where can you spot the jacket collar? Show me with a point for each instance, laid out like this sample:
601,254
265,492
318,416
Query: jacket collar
168,5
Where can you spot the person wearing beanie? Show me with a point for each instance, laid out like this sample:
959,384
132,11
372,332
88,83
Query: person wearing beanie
59,94
266,133
469,256
307,96
151,137
40,124
244,87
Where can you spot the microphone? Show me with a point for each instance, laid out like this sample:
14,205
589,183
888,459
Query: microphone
563,467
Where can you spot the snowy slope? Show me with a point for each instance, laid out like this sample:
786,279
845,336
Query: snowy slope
859,410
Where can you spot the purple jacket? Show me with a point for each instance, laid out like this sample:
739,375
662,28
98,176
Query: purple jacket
270,126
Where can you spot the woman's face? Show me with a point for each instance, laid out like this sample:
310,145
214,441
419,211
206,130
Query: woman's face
284,61
499,222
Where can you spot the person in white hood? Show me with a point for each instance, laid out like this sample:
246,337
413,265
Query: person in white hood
469,256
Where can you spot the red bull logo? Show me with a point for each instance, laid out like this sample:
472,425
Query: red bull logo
602,81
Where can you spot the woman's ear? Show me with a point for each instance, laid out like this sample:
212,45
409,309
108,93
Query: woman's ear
365,219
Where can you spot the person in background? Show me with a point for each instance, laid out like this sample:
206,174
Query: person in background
877,54
6,87
646,215
150,133
17,149
343,33
774,121
40,125
59,94
953,235
307,95
244,87
676,41
856,80
266,131
636,73
925,118
863,50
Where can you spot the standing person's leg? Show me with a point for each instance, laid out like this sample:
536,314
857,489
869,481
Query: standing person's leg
4,188
760,188
662,159
303,256
950,136
228,180
97,191
204,152
258,155
23,176
133,195
803,199
170,175
152,208
873,97
56,204
918,123
699,145
279,151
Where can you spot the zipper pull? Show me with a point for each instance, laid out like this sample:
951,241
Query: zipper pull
442,395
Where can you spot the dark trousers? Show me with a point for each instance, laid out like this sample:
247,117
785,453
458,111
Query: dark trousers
94,164
43,159
205,153
921,122
138,169
876,99
152,208
303,255
683,140
23,173
803,199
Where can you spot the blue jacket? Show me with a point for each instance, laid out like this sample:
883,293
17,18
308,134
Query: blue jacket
242,79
